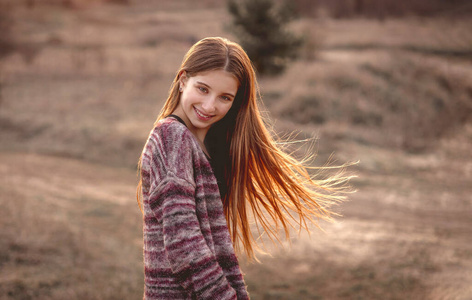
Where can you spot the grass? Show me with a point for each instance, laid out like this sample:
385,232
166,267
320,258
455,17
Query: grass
415,101
328,280
51,251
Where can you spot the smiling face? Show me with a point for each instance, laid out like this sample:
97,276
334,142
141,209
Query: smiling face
205,99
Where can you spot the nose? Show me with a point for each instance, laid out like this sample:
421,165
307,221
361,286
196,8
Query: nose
209,105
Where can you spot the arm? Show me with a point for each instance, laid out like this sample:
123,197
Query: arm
169,155
190,258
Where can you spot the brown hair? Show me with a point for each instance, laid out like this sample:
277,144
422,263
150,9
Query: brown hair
259,178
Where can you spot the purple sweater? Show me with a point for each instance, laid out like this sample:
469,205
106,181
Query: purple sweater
188,253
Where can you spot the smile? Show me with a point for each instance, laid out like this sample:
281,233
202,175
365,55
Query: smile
202,115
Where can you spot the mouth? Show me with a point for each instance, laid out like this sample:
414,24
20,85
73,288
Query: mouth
201,115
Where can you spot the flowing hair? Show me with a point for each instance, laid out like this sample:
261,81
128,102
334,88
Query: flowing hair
259,180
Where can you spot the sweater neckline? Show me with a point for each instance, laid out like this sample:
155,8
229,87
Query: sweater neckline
182,121
178,119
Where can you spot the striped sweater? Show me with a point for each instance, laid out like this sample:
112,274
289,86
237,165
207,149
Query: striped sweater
188,253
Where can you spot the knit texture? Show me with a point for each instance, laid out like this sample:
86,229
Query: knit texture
188,253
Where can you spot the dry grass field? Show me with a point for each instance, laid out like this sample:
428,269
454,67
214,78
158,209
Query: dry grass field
80,91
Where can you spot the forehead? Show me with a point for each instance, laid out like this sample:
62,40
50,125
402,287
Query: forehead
218,80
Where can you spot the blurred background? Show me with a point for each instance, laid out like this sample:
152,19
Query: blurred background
385,82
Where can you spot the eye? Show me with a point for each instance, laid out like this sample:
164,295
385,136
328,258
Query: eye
226,98
203,89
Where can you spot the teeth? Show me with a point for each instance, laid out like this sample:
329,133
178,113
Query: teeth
202,115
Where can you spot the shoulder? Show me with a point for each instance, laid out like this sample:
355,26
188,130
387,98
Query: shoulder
170,147
169,135
169,127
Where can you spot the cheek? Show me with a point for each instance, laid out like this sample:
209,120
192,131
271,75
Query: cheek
188,96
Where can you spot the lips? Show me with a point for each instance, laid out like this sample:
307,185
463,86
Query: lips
201,115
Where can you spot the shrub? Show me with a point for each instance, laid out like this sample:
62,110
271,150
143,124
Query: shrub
262,29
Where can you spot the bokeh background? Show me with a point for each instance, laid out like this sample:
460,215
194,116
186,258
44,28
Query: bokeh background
388,83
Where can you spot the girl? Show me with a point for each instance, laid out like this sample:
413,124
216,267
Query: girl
208,164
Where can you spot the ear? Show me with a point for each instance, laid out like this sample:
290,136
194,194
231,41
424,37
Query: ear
183,79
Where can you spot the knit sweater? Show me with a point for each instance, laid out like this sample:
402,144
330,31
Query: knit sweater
188,253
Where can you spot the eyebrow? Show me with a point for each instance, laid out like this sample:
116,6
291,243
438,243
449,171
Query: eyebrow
202,83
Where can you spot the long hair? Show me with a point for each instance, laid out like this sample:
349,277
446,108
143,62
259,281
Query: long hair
259,180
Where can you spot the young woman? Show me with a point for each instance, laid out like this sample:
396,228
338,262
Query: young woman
208,168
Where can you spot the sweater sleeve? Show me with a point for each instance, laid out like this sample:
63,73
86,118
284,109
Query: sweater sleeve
172,200
190,258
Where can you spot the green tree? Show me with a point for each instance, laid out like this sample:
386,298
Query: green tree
261,27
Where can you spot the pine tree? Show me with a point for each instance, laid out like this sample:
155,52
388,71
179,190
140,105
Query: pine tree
261,27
